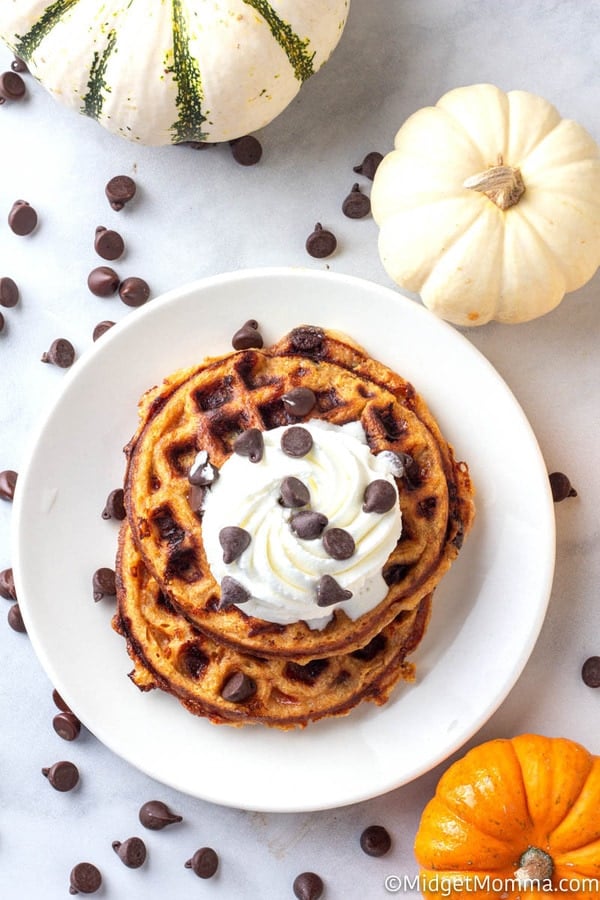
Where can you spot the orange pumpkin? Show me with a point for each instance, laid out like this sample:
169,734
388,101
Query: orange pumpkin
514,819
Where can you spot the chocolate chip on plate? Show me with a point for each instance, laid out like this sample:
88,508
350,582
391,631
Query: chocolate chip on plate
114,508
379,497
561,487
204,863
156,815
375,840
22,218
7,585
246,150
308,886
61,354
85,878
101,328
66,725
8,482
104,583
134,291
251,444
369,165
103,281
232,592
320,242
119,191
132,852
15,619
108,243
299,401
296,441
294,493
9,292
59,702
19,65
247,337
63,775
590,672
339,543
234,541
238,688
329,591
12,86
308,525
356,205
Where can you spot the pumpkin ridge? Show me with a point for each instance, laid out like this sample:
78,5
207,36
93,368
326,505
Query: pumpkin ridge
292,45
186,73
575,800
28,43
474,219
94,99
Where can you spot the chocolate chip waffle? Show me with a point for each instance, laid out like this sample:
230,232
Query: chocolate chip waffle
215,681
208,407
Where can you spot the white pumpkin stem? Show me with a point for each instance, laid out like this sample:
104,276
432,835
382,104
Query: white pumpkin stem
535,868
504,185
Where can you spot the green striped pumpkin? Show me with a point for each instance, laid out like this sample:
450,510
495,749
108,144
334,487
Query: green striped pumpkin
165,71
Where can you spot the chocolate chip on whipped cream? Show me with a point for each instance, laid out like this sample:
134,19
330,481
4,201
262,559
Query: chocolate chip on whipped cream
308,524
296,441
234,541
379,497
294,493
247,337
299,401
202,472
232,592
330,592
339,543
251,444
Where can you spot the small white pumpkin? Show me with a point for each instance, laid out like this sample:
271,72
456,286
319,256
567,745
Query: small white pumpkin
162,72
489,206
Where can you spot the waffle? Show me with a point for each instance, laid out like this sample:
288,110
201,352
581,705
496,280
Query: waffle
207,407
171,654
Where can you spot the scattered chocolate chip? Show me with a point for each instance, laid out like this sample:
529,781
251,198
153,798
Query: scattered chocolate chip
196,497
339,543
247,337
232,593
19,65
12,86
296,441
234,541
22,218
1,322
561,487
63,775
61,354
329,591
320,242
308,525
379,497
156,815
119,191
114,508
59,702
238,688
103,281
369,165
66,725
202,472
307,339
8,483
108,243
375,840
15,619
299,401
251,444
131,852
308,886
101,328
85,878
7,585
104,583
134,291
590,672
356,205
204,863
246,150
9,292
294,493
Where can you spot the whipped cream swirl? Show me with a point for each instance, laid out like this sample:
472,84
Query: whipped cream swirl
278,569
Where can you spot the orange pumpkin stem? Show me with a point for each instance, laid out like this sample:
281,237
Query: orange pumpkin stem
503,185
535,868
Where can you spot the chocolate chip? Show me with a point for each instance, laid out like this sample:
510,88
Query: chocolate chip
59,702
234,541
329,591
247,337
108,243
156,815
196,497
1,322
134,291
131,852
19,65
119,191
66,725
379,497
251,444
356,205
9,292
8,482
7,585
114,508
339,543
308,886
63,775
246,150
307,339
561,487
320,242
204,863
369,165
15,619
104,583
103,281
299,401
22,218
85,878
238,688
61,354
375,840
202,472
232,593
294,493
12,86
308,525
101,328
296,441
590,672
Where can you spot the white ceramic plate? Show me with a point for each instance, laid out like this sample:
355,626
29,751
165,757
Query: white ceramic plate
487,612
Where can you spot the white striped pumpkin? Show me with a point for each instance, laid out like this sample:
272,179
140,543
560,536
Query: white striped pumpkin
165,71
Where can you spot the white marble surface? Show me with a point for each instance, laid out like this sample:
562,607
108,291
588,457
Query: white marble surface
199,214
